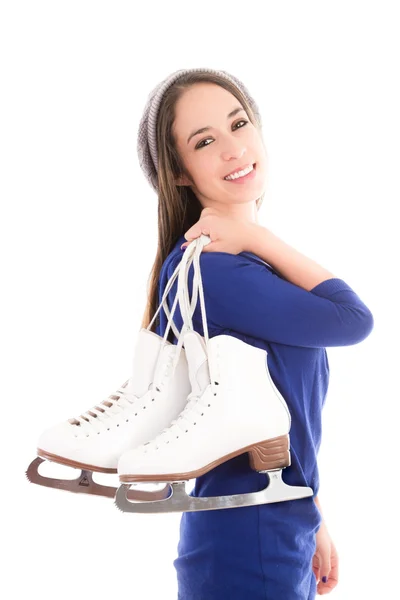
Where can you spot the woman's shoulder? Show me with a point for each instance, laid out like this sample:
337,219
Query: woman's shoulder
176,253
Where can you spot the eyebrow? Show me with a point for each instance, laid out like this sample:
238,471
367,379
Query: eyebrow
203,129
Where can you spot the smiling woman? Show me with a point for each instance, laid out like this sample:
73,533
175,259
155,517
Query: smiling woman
201,148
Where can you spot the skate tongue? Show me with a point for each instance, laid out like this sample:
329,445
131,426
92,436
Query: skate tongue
196,356
144,360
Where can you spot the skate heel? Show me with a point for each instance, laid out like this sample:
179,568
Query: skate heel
271,454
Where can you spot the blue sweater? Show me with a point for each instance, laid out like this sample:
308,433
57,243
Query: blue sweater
247,299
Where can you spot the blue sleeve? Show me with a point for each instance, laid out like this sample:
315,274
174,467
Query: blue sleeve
249,298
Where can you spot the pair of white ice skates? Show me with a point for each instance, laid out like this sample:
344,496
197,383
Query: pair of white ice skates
186,409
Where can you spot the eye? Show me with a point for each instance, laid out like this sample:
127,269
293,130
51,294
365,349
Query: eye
201,144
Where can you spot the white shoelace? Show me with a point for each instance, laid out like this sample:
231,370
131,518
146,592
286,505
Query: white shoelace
194,409
99,416
196,404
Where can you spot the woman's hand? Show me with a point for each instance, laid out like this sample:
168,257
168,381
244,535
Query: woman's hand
325,562
227,234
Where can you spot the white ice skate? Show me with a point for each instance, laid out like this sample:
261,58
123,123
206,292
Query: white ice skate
234,407
145,404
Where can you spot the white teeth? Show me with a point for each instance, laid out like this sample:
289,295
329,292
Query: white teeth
239,173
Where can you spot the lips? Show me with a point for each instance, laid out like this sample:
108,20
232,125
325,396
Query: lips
240,169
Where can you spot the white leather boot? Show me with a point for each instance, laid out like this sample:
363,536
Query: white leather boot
141,407
234,407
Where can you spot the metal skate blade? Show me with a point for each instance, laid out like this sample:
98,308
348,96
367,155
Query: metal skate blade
179,501
85,484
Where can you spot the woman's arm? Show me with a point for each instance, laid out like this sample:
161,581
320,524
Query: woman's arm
291,264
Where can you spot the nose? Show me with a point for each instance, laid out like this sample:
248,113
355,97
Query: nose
233,148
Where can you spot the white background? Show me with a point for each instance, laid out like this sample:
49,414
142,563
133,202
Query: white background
78,239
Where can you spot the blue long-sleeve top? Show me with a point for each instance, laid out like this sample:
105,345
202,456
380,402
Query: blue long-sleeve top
246,298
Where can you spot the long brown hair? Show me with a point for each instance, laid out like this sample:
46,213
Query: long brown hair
178,206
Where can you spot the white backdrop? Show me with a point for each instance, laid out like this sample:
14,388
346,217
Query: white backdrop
78,239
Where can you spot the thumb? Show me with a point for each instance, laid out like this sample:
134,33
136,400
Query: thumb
190,235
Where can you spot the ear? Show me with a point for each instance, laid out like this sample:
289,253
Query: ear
182,180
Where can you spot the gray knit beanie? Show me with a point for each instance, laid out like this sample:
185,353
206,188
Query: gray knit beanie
147,139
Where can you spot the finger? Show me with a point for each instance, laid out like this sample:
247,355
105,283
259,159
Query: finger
325,569
315,567
333,578
316,573
192,233
325,588
185,245
193,236
325,564
327,582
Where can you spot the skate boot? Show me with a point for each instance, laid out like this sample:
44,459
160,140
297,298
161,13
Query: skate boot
146,403
234,407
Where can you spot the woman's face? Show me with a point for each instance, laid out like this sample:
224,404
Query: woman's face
230,143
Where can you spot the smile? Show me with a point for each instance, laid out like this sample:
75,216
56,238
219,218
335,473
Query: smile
243,175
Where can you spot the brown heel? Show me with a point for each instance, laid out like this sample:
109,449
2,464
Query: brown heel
271,454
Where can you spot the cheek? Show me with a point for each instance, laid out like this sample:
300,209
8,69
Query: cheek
203,169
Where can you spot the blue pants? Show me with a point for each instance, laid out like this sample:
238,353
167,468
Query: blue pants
260,552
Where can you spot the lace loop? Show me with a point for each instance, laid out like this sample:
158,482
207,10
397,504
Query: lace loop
99,416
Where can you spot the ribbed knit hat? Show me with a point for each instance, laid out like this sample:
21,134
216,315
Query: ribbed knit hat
147,139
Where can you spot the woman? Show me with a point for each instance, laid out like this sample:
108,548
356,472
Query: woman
200,125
